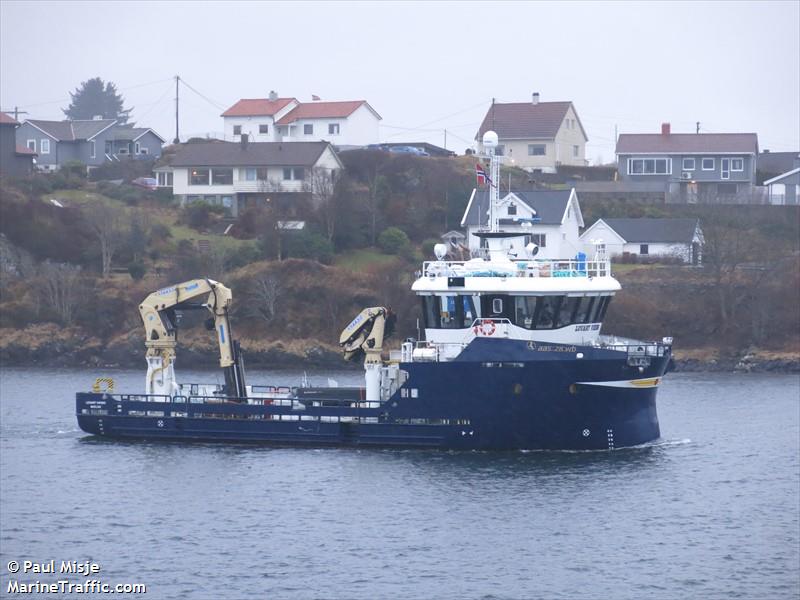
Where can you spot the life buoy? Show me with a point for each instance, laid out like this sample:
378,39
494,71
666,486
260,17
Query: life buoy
486,327
109,385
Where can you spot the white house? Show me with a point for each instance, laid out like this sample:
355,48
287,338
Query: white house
673,238
550,219
274,119
238,174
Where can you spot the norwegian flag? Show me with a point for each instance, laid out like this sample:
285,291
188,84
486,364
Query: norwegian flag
480,172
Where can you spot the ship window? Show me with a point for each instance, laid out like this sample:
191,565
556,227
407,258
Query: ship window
451,312
547,312
497,306
525,311
568,306
448,312
430,311
585,310
600,309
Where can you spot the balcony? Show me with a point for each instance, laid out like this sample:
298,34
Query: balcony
265,187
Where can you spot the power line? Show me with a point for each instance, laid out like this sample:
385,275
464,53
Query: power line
125,89
206,98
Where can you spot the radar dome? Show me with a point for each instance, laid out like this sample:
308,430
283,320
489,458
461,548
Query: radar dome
440,250
490,139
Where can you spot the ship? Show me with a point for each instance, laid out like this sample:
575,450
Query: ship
511,358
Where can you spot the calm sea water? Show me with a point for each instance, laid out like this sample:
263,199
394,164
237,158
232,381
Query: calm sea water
711,512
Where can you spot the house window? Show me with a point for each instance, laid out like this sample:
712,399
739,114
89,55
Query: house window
649,166
540,239
708,164
164,179
688,164
198,176
44,147
249,175
573,123
537,149
576,151
137,148
31,145
512,209
92,149
263,128
308,129
221,176
500,150
737,164
644,248
261,174
237,130
123,150
144,150
293,174
333,128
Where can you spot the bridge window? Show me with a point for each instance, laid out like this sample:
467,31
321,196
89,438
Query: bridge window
448,312
548,311
585,309
567,311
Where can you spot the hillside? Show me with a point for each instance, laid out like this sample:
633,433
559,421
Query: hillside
77,256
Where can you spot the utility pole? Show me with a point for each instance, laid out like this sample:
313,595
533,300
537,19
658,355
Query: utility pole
177,139
697,128
17,112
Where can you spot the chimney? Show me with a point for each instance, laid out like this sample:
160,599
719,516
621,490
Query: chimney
273,95
244,141
535,98
665,130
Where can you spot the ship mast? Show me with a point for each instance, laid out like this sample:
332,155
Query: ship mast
490,145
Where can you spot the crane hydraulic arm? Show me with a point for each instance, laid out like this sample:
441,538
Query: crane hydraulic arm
365,334
159,312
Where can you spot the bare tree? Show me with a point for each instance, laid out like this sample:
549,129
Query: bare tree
321,182
60,289
106,222
265,293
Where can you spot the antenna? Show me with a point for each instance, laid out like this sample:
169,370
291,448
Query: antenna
177,139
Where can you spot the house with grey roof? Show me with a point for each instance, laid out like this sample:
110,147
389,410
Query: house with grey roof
693,167
90,142
785,188
536,136
645,238
14,160
551,219
240,174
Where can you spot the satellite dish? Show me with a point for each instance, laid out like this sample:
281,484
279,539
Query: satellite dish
490,139
532,249
440,250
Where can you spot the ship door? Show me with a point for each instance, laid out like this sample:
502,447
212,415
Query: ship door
497,306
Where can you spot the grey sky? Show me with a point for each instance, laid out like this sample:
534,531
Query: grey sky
733,66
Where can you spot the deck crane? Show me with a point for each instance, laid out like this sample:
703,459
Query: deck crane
364,337
160,315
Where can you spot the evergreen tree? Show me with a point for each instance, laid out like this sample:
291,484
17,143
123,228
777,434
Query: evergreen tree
93,98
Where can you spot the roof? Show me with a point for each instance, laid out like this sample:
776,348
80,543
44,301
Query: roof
550,206
782,176
525,120
777,162
687,143
654,230
7,120
71,131
234,154
257,107
133,133
323,110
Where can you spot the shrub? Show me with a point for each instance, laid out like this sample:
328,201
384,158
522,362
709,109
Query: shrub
200,215
427,247
306,244
137,270
393,241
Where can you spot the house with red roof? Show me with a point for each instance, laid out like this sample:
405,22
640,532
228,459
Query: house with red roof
537,136
694,167
15,160
276,119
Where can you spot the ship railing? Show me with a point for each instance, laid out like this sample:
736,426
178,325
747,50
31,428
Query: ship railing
153,405
640,353
518,268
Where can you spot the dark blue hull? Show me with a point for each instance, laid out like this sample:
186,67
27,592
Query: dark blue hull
498,395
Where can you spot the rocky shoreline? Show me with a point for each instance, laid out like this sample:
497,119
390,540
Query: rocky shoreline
47,345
